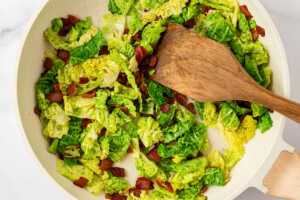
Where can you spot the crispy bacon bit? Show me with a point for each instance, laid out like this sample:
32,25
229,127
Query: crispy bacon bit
206,9
143,183
102,132
122,78
55,87
124,109
81,182
129,150
48,64
64,55
144,89
181,99
115,197
171,100
126,30
153,61
137,37
37,111
244,9
118,171
140,53
86,122
139,77
89,94
55,97
136,192
153,155
204,189
191,108
165,185
72,89
165,107
68,23
83,80
104,50
190,23
254,34
260,30
106,164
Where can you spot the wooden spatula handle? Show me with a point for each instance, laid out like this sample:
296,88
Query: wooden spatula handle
284,106
283,180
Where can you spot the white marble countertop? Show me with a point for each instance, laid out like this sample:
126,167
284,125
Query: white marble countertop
20,177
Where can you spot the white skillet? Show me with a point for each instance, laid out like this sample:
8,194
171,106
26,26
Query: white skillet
261,152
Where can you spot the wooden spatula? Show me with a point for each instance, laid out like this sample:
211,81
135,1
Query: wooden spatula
206,70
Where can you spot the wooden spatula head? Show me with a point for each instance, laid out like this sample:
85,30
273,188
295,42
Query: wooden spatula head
199,67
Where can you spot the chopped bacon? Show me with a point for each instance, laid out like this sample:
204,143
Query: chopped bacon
206,9
37,111
64,55
171,100
117,171
89,94
115,197
190,23
244,9
180,98
81,182
105,164
136,192
55,87
153,155
85,122
143,88
129,150
55,97
104,50
140,53
72,89
254,34
48,64
139,77
137,36
165,185
102,132
153,61
165,107
122,78
191,108
143,183
68,23
261,31
83,80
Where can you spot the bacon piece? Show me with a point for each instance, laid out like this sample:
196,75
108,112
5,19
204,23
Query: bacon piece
64,55
55,87
140,53
153,61
102,132
68,23
153,155
55,97
83,80
165,185
104,50
72,89
180,98
254,34
137,37
136,192
81,182
117,171
86,122
261,31
89,94
143,183
106,164
191,108
122,78
165,107
190,23
244,9
115,197
48,64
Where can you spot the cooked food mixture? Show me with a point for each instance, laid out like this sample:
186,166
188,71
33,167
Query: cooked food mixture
97,104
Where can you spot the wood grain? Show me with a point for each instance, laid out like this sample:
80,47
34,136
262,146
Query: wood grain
283,180
207,71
